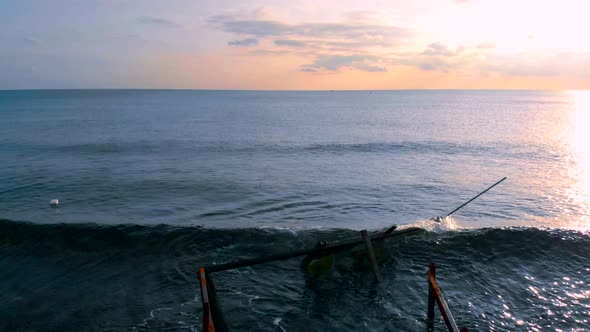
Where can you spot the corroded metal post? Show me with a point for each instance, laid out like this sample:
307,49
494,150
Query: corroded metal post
431,300
207,321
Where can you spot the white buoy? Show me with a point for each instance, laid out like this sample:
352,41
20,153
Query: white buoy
54,202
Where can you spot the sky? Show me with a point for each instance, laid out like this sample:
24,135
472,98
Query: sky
295,45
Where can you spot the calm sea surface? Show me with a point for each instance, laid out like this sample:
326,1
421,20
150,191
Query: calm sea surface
154,183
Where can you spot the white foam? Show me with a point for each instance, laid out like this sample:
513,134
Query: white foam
446,224
277,322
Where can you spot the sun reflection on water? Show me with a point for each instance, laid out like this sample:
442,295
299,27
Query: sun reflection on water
579,143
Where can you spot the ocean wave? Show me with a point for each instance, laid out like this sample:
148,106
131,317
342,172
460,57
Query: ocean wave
132,277
170,146
45,238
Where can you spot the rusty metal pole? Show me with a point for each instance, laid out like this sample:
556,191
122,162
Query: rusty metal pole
207,321
431,298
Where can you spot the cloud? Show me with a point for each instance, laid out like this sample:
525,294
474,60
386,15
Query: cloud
31,41
307,70
347,30
472,61
290,43
362,42
437,57
157,21
359,42
269,52
244,42
439,49
349,43
336,62
371,69
432,65
576,65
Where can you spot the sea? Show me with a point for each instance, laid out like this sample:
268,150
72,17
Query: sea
153,184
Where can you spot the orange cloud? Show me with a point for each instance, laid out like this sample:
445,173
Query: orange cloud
280,72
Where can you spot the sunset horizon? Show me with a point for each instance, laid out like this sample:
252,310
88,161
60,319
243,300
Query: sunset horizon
368,45
273,165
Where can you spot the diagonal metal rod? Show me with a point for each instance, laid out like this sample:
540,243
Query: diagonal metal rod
471,200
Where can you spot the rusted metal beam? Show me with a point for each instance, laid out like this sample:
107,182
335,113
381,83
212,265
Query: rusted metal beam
431,296
216,311
207,321
326,250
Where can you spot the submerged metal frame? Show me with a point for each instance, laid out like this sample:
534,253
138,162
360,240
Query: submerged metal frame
213,320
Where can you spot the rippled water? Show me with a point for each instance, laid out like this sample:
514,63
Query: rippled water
153,184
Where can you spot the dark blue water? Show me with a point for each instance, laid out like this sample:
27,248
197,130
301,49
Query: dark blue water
153,184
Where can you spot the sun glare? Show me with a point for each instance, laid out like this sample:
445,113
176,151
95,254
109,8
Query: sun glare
580,138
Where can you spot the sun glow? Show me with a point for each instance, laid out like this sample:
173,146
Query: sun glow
515,27
580,140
